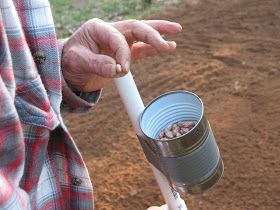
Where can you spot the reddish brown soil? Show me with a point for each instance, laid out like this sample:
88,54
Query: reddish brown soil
229,54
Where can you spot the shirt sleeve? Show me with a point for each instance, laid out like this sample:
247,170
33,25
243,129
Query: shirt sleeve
76,101
12,151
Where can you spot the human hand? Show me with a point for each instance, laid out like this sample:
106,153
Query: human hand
99,51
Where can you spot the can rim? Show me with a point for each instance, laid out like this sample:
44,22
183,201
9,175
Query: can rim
163,95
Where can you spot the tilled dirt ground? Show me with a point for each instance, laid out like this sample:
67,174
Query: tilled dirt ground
229,54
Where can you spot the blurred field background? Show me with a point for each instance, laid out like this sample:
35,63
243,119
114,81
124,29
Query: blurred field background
70,14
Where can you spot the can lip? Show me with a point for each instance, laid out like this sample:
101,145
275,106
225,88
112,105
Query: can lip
169,93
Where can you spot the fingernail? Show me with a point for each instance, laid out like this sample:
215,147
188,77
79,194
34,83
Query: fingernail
126,67
179,25
118,68
172,45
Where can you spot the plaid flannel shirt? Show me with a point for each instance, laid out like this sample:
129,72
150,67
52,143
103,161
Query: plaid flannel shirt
40,165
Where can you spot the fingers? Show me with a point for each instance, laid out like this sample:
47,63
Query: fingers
135,30
164,27
107,36
142,50
144,33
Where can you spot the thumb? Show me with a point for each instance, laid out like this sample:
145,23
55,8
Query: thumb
80,60
104,66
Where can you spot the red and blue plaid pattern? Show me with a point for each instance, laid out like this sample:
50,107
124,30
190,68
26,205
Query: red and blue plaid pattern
40,165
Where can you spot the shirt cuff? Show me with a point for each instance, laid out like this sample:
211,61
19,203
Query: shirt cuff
75,101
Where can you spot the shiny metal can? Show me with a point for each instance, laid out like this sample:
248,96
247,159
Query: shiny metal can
191,162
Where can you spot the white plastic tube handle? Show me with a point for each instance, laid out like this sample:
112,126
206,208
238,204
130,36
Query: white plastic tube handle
134,107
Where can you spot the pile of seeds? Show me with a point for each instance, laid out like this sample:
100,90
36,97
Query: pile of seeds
176,130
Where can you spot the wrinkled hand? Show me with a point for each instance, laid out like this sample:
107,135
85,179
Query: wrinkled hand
99,51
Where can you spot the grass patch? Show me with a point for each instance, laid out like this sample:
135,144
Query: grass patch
70,14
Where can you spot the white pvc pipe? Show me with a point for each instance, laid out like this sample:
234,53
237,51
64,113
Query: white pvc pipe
134,107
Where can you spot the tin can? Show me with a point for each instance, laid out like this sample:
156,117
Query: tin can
191,162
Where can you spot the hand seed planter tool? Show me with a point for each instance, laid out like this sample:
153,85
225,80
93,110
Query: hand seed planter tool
188,164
